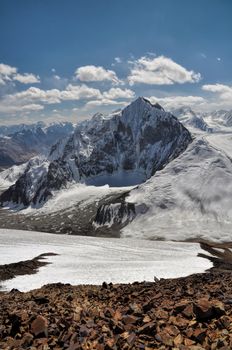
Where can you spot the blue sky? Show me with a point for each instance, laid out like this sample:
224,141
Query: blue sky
65,59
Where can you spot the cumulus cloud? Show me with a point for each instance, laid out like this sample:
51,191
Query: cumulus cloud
224,91
71,93
7,70
160,71
78,92
27,78
171,102
110,98
105,102
33,98
18,107
8,73
115,93
96,73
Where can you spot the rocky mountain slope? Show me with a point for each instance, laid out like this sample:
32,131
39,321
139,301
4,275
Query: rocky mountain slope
124,148
29,140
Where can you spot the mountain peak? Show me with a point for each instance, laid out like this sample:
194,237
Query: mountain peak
120,150
142,100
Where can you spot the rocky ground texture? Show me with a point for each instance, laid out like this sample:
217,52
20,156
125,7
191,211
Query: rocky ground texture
194,312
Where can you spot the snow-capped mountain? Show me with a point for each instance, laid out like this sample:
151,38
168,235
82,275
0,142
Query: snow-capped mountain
191,198
191,119
30,140
123,148
219,120
6,130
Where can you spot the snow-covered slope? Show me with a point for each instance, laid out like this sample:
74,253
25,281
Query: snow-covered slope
92,260
191,197
124,148
9,176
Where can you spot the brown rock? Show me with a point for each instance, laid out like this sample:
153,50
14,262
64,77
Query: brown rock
147,328
226,321
199,334
117,315
179,307
147,319
218,307
27,339
189,342
188,311
40,326
178,340
129,319
160,313
131,339
203,309
164,338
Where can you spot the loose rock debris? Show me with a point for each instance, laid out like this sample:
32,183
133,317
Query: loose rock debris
193,313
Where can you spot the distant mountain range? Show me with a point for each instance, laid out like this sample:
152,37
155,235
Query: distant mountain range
215,121
19,143
168,175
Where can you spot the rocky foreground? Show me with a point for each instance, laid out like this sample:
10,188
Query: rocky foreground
194,312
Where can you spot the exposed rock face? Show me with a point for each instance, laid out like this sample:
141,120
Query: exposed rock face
127,146
115,214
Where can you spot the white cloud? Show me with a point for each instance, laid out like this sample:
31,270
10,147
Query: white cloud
7,70
8,73
27,78
71,93
79,92
178,101
115,93
32,107
224,91
96,73
18,107
105,102
160,71
33,97
118,59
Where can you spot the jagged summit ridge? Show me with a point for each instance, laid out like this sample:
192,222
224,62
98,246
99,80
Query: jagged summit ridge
124,148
